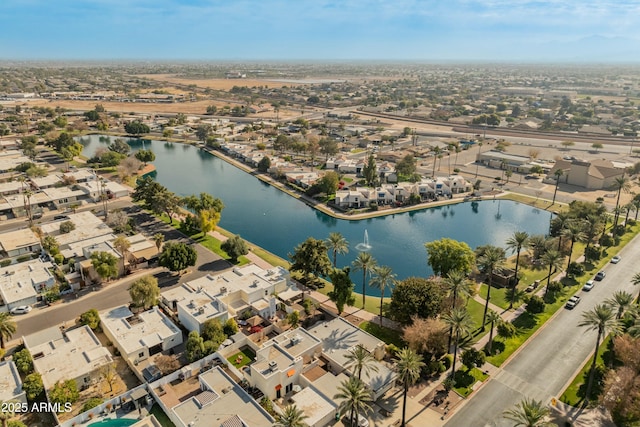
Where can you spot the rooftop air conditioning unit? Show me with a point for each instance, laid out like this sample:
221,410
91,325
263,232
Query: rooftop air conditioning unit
201,310
273,365
223,290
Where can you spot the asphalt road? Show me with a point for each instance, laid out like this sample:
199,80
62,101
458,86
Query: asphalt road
116,293
552,358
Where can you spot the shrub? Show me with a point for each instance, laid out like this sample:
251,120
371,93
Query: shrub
91,403
5,262
472,358
535,305
58,258
606,240
447,361
23,258
91,319
67,227
575,269
593,253
23,361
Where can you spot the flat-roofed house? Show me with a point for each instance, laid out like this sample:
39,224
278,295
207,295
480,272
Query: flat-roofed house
220,402
194,307
75,354
21,283
19,242
139,336
335,351
11,384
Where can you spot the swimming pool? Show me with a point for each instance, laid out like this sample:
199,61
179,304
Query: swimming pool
118,422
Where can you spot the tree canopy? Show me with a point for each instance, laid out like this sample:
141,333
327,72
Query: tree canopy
235,246
416,296
342,293
177,256
136,127
105,264
447,255
310,257
145,156
145,292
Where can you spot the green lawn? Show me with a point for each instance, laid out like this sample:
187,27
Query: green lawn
498,296
476,310
464,380
574,394
242,358
162,418
388,335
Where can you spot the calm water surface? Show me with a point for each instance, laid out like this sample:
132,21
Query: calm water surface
278,222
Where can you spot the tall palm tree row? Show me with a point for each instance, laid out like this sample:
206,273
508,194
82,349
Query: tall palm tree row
517,242
493,319
382,278
621,184
360,359
529,413
457,286
574,231
355,397
408,367
461,323
490,261
553,259
602,318
337,244
365,262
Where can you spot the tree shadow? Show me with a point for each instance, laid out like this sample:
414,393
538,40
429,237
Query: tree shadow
596,388
463,379
496,348
525,321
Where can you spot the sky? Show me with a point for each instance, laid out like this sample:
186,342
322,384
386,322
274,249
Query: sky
413,30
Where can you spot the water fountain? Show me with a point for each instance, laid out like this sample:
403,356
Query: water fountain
364,246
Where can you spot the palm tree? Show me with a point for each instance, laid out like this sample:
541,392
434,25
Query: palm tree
493,318
408,367
338,245
360,359
553,259
620,184
460,321
457,285
7,328
355,397
559,223
558,173
517,242
602,319
574,232
620,302
529,413
539,243
382,279
158,238
122,245
365,262
591,230
636,281
291,417
491,261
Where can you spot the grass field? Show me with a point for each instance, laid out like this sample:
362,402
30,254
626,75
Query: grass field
464,380
242,358
575,393
388,335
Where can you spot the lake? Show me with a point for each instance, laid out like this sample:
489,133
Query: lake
277,222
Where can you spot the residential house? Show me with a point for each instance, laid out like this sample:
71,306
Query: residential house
19,242
194,306
11,384
21,283
280,361
339,337
139,336
74,354
219,402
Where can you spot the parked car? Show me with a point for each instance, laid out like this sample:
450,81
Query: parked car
573,301
616,259
23,309
589,285
600,275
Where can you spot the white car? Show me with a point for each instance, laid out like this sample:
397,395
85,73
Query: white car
616,259
23,309
589,285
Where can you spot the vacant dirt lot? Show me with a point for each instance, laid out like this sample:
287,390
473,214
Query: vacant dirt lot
220,84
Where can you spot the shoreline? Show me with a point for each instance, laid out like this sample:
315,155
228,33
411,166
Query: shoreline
267,179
